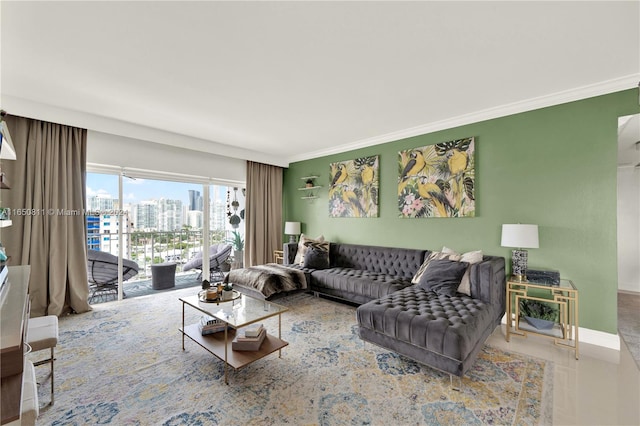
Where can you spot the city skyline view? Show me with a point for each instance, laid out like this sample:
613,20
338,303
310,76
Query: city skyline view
137,190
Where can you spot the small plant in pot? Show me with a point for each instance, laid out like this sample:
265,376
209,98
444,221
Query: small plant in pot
227,291
309,183
238,246
539,314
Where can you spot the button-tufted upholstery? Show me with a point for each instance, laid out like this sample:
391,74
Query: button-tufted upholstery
360,273
383,260
444,332
357,285
451,328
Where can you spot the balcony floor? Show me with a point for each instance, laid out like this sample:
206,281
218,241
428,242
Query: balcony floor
137,288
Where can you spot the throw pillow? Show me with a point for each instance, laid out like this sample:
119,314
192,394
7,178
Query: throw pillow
434,255
299,259
470,257
443,276
317,256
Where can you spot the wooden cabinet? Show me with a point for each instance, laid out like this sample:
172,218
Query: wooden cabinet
14,316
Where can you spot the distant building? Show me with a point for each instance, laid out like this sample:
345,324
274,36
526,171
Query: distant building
109,230
196,202
194,219
145,215
169,215
100,202
93,232
218,215
102,233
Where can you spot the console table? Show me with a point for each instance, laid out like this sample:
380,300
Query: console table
565,295
14,316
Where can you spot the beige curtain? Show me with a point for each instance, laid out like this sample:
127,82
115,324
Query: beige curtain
263,213
47,202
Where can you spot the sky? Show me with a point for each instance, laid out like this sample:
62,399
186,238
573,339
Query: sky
135,191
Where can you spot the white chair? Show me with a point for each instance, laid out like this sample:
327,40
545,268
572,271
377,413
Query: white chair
42,333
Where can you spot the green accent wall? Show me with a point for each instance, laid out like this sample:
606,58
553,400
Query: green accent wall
555,167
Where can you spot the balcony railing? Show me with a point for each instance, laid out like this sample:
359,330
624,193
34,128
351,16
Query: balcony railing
151,247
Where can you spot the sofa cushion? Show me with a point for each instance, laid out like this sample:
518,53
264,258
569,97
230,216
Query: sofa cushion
317,256
349,281
471,257
448,325
443,276
434,255
302,248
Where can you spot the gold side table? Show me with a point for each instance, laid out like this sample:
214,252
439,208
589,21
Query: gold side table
565,295
278,256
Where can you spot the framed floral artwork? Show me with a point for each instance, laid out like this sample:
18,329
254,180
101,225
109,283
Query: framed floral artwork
353,191
438,180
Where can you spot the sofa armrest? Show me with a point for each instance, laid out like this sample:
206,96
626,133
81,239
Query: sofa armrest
488,282
289,253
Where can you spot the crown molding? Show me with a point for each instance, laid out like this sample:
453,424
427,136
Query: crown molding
576,94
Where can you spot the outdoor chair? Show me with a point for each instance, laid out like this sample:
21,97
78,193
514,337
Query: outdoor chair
218,254
102,273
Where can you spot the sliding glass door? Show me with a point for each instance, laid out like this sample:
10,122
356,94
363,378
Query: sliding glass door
151,220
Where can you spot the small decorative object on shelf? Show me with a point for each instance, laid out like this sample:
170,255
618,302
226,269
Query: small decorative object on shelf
543,276
247,343
309,186
539,314
209,325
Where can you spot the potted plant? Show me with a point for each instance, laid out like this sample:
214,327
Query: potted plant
237,242
225,266
227,291
540,315
309,183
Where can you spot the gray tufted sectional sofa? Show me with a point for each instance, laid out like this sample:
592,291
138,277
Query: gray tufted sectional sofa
444,332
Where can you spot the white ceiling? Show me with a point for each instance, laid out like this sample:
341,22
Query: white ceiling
285,81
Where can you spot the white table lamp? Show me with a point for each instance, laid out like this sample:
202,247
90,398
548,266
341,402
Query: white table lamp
519,236
292,229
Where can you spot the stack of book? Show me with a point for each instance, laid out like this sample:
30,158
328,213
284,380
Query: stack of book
210,325
249,338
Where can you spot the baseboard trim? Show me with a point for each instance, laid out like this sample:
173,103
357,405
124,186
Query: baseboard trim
600,338
593,337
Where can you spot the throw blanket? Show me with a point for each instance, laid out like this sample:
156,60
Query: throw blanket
268,279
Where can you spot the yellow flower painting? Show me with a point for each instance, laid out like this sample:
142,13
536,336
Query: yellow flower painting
437,180
354,188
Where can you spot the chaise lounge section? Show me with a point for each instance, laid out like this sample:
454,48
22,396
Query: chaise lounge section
444,331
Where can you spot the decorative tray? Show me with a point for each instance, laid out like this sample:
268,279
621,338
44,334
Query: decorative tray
219,299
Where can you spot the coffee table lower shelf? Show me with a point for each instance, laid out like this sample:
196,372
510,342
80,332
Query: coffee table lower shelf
215,344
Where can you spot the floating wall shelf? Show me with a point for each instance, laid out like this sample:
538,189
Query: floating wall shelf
309,195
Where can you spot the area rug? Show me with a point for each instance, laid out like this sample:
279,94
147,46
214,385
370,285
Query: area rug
123,363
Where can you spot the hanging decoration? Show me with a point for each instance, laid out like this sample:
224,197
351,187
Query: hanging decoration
235,220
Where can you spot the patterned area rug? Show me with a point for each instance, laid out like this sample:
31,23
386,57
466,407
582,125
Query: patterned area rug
123,363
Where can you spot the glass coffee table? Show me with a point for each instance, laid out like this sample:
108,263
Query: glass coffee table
236,313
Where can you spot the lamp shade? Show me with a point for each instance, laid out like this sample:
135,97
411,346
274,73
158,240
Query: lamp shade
519,235
292,228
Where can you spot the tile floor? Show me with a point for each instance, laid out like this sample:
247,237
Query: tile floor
601,388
